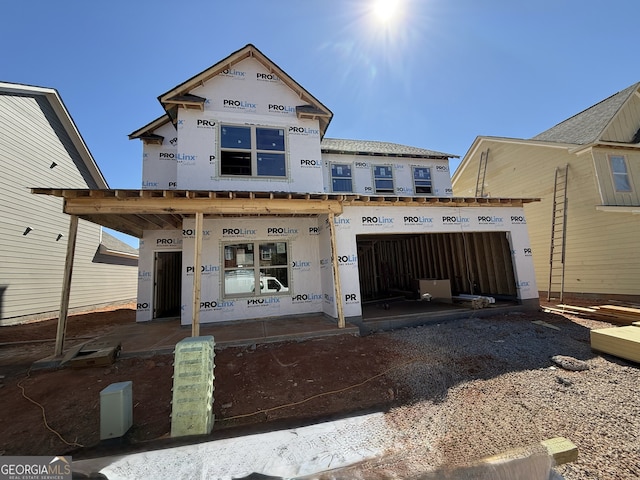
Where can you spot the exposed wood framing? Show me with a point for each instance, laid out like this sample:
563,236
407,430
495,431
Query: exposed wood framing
336,273
66,285
197,275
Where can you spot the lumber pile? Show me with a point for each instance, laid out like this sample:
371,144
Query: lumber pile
620,315
623,342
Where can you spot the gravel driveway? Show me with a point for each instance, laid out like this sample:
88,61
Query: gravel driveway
484,386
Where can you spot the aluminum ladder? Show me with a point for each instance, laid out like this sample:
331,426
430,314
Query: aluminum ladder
482,172
557,245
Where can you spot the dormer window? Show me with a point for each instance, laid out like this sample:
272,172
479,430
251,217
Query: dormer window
422,181
383,179
252,151
341,177
620,173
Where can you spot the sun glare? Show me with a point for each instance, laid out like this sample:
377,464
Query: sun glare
386,11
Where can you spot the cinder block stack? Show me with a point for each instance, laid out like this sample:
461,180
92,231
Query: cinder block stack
192,405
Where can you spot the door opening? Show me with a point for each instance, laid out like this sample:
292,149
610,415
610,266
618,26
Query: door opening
168,284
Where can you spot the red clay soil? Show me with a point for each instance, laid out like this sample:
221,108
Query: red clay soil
57,411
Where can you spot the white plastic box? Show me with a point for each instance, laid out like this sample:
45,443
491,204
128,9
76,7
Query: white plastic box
116,410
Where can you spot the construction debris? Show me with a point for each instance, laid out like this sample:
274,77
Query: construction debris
98,352
570,363
620,315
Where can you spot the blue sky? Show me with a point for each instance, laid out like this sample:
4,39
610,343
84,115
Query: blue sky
443,73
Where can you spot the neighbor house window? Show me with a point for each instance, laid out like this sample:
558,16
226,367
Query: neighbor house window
341,177
252,151
383,179
422,180
247,264
621,180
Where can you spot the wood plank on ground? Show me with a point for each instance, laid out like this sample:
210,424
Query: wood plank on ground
623,342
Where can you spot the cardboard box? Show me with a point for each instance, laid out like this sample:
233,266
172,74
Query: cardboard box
440,290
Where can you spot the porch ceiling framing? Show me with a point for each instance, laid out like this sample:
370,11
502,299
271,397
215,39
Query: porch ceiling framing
134,211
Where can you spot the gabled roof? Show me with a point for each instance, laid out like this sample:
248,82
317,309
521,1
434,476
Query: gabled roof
589,125
146,133
110,245
55,101
374,148
181,94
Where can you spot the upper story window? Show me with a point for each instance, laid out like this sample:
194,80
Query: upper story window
341,177
252,151
383,179
422,180
621,180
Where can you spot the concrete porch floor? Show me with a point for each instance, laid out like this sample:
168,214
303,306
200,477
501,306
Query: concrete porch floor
161,335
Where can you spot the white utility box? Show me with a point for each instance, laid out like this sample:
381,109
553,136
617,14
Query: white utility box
116,410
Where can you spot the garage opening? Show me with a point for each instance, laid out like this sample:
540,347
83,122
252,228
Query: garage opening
168,284
476,263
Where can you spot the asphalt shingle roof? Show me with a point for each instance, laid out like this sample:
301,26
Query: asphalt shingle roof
588,126
370,147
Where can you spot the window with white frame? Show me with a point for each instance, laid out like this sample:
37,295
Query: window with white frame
621,181
252,151
422,180
341,177
383,179
262,263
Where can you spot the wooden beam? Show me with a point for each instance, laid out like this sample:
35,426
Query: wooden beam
197,275
66,285
177,205
336,273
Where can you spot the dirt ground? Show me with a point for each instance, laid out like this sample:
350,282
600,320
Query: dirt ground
255,388
476,381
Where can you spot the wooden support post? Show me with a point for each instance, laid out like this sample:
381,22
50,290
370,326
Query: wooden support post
66,285
197,275
336,273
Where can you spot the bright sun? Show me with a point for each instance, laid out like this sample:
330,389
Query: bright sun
386,10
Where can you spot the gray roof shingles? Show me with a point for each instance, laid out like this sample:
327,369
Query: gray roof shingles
588,126
370,147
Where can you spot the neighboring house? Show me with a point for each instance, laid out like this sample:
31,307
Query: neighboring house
40,146
247,211
593,157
